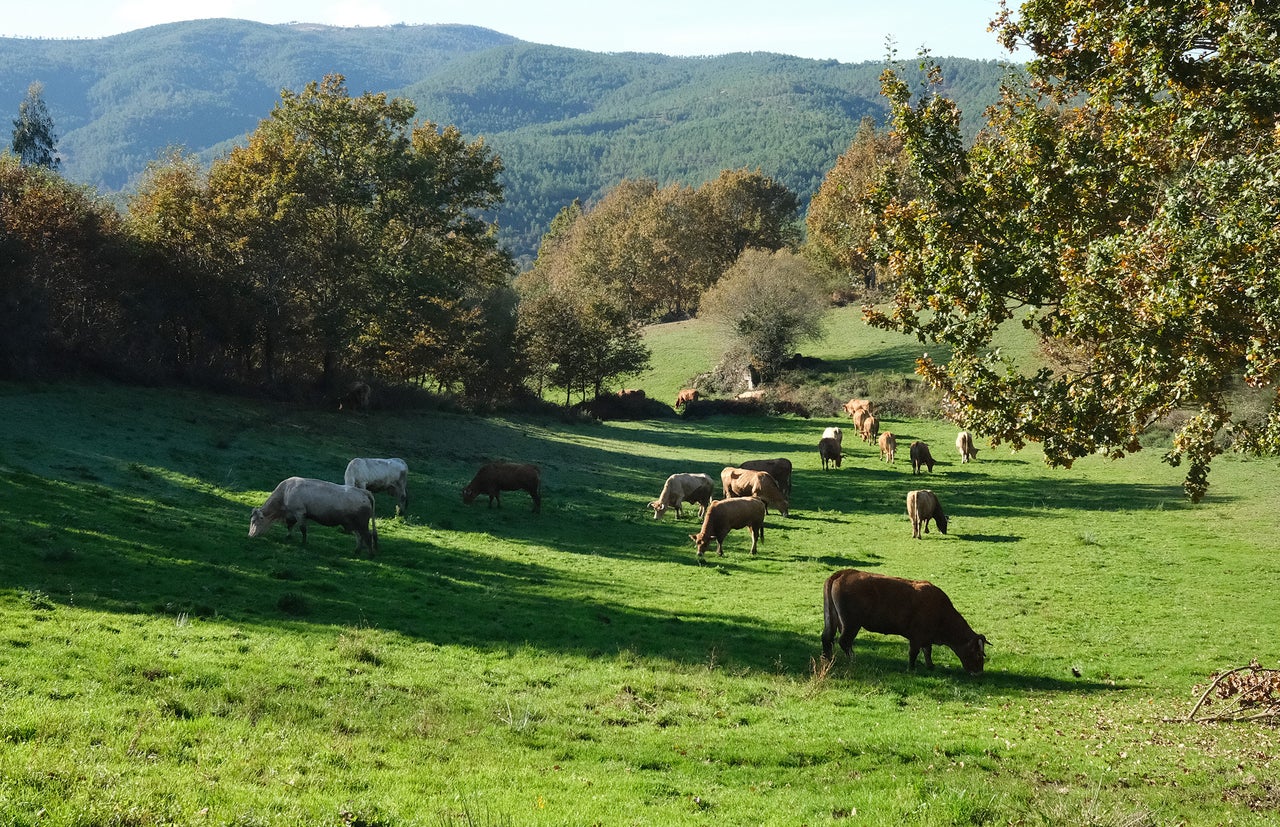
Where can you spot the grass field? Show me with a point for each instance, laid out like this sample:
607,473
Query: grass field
578,666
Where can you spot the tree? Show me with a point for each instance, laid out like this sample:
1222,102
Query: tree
1120,205
34,141
768,302
839,219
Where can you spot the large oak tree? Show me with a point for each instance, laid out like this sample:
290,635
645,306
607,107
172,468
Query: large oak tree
1121,206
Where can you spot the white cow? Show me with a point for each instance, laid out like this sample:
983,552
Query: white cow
683,488
299,499
387,475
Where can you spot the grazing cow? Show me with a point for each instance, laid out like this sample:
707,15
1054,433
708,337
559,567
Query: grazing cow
387,475
923,506
686,395
299,499
862,424
779,468
492,479
741,482
724,516
964,444
888,446
854,405
870,428
916,609
356,396
829,451
920,456
683,488
834,433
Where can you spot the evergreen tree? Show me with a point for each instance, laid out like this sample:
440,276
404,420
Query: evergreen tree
34,141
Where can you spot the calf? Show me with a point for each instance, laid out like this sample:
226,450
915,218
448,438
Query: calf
888,446
915,609
683,488
492,479
299,499
964,444
829,451
923,506
920,456
724,516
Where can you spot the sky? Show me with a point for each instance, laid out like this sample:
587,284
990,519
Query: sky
850,31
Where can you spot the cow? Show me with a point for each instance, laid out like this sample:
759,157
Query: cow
752,396
916,609
631,393
923,506
869,426
724,516
834,433
862,424
964,444
779,468
888,446
356,396
920,456
492,479
683,488
855,405
829,451
686,395
299,499
741,482
390,476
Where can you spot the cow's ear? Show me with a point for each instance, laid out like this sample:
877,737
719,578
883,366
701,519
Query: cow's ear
693,537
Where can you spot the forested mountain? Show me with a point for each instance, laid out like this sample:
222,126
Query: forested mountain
567,123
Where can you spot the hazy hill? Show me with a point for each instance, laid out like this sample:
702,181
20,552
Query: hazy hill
567,123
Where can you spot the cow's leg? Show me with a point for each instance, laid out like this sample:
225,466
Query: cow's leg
755,538
913,655
928,655
846,639
925,523
302,526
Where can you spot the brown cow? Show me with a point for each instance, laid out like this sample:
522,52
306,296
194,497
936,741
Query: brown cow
683,488
780,468
299,499
686,395
829,451
740,482
854,405
920,456
724,516
888,446
964,444
916,609
923,506
496,477
356,396
870,427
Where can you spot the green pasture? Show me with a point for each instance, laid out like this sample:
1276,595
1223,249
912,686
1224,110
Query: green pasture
579,666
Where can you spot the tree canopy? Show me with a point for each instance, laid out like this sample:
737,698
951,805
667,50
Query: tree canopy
1120,205
34,141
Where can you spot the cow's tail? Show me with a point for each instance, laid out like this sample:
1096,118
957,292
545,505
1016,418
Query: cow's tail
830,618
373,531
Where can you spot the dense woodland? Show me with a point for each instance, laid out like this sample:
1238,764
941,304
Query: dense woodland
567,124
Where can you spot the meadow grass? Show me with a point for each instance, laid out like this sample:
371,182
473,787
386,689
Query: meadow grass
579,666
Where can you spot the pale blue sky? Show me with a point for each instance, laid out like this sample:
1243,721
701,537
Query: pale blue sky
846,30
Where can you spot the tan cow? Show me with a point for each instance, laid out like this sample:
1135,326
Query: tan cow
964,444
916,609
920,456
888,446
726,515
683,488
854,405
492,479
299,499
780,468
740,482
686,395
923,506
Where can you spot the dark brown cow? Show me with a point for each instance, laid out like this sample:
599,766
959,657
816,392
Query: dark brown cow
829,451
355,397
920,456
779,468
916,609
492,479
724,516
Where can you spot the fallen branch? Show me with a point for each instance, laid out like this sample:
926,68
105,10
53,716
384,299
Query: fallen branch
1253,694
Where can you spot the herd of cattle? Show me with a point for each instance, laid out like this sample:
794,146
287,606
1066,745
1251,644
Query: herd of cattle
852,600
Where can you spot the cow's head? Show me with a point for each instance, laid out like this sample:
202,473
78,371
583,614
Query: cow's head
941,520
258,522
468,496
973,654
701,541
658,508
